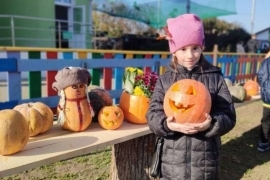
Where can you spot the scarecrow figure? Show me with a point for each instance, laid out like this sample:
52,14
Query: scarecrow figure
74,110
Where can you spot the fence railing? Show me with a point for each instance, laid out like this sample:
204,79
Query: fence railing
43,32
106,68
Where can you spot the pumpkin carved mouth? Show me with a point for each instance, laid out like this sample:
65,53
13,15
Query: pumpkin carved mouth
183,102
110,123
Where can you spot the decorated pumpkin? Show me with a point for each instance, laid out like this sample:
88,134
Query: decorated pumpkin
251,87
74,110
134,107
38,115
110,117
238,93
14,132
99,98
187,101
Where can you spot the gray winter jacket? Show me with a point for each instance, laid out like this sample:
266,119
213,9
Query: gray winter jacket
192,157
264,80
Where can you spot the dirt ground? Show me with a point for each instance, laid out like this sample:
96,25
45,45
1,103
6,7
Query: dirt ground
239,157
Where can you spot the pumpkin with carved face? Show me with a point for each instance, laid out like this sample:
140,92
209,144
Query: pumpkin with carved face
187,101
110,117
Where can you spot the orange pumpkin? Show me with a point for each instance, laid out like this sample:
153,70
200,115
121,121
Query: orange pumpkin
76,111
134,107
14,132
110,117
188,101
38,115
251,87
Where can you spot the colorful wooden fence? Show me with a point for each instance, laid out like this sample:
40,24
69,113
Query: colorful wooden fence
106,68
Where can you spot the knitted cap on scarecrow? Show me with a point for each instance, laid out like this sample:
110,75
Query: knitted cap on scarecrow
66,77
69,76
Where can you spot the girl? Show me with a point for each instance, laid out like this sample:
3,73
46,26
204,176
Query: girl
190,151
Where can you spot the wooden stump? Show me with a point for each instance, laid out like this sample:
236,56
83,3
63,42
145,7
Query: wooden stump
131,159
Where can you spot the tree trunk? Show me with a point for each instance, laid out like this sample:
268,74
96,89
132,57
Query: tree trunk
131,159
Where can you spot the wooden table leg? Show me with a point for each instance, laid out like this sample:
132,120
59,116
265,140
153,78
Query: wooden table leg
131,159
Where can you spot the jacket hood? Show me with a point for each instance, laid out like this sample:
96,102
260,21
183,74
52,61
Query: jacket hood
202,66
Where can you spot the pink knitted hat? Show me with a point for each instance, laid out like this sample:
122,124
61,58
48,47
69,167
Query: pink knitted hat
185,30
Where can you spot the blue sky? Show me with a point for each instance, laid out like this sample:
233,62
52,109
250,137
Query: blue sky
244,11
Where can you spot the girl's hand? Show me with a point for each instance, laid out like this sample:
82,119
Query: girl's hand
204,125
183,128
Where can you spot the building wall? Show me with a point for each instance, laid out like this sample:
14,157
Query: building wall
33,8
264,36
88,15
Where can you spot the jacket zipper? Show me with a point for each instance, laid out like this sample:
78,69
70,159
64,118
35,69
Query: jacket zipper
189,74
188,167
188,159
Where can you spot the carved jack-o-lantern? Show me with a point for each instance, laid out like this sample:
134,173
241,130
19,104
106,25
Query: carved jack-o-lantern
187,101
110,117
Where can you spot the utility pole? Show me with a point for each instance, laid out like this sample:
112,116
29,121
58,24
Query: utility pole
188,6
252,16
158,16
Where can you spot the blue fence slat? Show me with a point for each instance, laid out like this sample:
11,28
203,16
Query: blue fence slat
233,70
155,57
45,65
51,101
115,93
14,86
209,58
165,62
8,105
9,64
118,75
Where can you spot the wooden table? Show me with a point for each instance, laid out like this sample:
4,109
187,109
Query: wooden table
58,144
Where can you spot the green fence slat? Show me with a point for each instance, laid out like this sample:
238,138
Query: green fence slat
96,73
139,56
34,78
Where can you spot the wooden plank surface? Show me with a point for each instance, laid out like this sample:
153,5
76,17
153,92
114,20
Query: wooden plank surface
58,144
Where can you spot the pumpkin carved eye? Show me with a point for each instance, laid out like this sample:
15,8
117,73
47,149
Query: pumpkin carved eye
188,101
117,113
106,114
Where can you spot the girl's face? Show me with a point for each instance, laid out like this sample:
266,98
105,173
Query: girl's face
188,56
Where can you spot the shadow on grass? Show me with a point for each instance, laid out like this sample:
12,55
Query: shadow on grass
240,155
